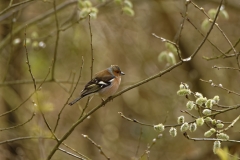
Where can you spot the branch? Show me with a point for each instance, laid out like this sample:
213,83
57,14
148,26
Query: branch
98,146
208,139
220,86
90,31
24,138
231,125
223,54
14,109
231,68
3,129
149,147
71,154
134,120
202,10
57,39
76,151
10,6
28,63
79,77
182,24
208,33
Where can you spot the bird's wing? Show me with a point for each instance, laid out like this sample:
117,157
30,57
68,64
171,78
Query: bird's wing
97,84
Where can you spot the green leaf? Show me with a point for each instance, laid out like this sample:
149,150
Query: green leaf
128,4
84,12
212,13
128,11
224,13
205,24
171,58
84,4
162,56
171,47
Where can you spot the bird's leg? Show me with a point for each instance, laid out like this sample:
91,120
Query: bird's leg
91,98
103,101
110,97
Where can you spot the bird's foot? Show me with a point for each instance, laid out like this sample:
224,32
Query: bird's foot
111,98
103,101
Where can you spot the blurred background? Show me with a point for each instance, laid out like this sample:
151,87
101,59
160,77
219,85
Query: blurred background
121,36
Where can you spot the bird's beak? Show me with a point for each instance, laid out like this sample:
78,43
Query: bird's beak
122,73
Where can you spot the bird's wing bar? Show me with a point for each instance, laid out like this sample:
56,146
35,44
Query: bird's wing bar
97,84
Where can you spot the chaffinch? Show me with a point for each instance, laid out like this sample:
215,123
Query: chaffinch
105,83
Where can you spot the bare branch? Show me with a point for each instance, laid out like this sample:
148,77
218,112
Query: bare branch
97,145
220,86
79,77
71,154
19,125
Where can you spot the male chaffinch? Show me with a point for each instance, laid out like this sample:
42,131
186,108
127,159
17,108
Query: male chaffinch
105,83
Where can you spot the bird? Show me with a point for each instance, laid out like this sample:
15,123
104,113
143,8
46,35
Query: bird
105,83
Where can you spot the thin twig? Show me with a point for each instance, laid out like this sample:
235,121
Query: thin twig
225,110
222,106
208,33
139,140
14,109
195,27
72,24
76,151
184,111
85,107
165,120
47,124
149,147
62,86
234,46
231,125
134,120
70,18
208,139
202,10
91,67
71,154
30,71
182,24
11,53
220,86
149,125
57,40
231,68
79,77
28,63
95,144
72,84
3,129
10,6
174,44
23,138
90,31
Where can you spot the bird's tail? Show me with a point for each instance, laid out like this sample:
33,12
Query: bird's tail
74,101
